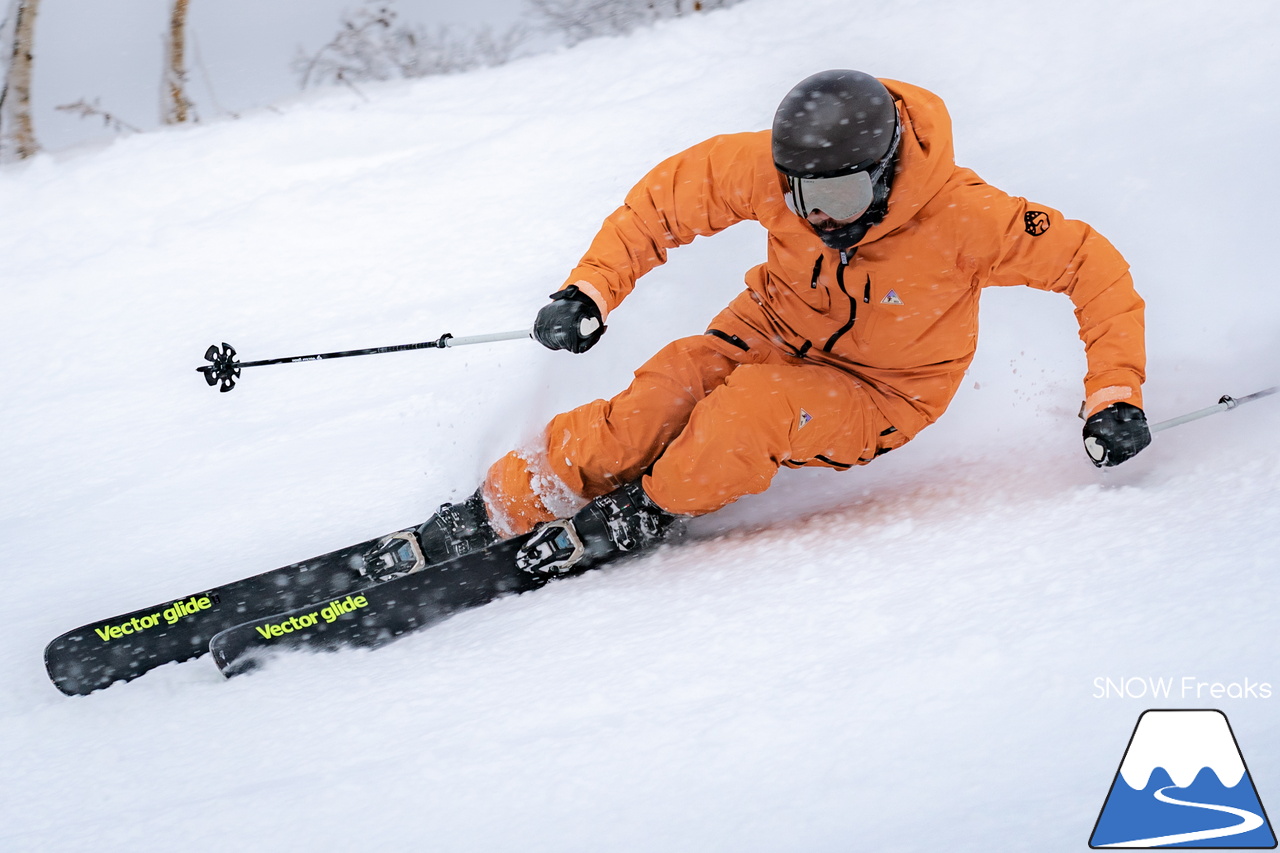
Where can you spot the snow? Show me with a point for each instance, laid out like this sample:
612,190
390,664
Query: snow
902,657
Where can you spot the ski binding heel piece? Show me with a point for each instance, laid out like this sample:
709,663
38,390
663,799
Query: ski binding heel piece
395,556
556,547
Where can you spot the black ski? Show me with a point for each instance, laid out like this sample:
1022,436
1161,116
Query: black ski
124,647
377,615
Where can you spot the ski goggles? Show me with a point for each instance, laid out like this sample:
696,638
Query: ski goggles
841,197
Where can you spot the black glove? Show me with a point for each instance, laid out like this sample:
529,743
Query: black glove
571,321
1115,434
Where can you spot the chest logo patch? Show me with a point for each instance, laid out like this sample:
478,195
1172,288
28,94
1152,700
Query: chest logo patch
1036,222
805,417
892,298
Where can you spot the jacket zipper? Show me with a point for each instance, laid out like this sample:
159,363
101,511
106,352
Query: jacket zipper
845,258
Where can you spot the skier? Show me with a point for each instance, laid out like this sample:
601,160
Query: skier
851,338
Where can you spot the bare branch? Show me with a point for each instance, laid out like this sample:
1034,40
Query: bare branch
84,109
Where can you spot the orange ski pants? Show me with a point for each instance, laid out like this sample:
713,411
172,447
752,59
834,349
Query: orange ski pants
705,421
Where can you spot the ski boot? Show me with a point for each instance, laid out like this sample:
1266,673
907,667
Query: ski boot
622,521
454,530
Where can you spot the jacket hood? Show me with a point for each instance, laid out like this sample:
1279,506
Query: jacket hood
926,155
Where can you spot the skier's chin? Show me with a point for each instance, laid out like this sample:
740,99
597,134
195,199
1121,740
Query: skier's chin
826,224
841,235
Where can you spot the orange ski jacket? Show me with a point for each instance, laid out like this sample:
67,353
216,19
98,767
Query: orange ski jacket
901,309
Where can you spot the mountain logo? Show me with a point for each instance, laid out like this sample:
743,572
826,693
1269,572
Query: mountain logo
805,417
891,298
1183,783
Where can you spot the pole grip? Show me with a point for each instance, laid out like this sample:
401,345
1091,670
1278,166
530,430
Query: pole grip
451,341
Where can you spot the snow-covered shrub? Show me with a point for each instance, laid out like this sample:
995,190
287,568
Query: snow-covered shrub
373,44
579,20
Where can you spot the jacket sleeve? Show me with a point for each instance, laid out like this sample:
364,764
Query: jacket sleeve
1038,246
699,191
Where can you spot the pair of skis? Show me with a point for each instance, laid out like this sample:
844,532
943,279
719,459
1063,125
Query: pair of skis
325,603
328,602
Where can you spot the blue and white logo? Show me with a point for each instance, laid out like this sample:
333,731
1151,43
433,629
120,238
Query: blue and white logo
1183,783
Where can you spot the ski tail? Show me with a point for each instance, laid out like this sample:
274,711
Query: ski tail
376,615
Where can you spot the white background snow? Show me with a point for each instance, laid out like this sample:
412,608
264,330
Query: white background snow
900,657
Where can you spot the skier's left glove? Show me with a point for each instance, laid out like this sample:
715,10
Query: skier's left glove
1115,434
570,321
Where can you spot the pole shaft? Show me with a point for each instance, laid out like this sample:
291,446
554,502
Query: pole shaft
440,343
1189,417
1225,404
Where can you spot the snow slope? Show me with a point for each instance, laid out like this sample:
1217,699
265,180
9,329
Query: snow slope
901,657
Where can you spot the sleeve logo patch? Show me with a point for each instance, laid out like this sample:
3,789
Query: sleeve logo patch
1036,222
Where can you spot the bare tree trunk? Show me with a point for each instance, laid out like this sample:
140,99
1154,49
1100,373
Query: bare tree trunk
17,132
177,109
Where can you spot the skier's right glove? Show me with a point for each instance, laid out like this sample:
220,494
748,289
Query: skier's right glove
1115,434
570,321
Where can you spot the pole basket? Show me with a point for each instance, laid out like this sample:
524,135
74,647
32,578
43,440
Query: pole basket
223,368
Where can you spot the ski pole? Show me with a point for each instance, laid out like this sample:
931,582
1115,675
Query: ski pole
223,367
1225,404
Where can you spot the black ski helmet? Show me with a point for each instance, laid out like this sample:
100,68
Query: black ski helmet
835,139
833,123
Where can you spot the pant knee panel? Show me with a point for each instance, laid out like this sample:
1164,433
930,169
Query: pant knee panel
522,491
